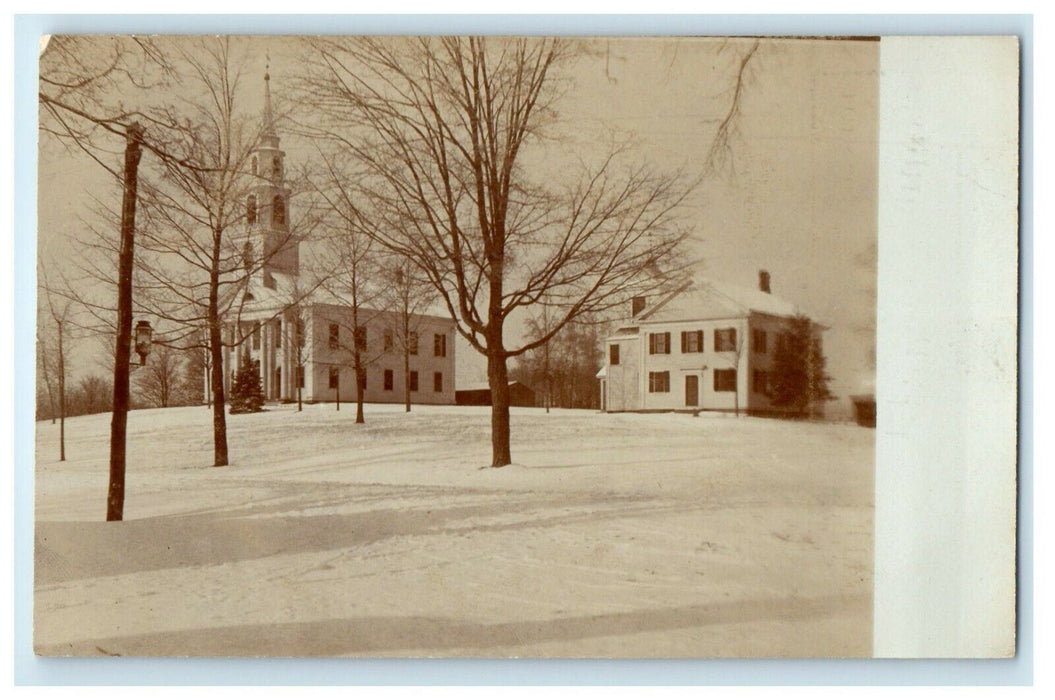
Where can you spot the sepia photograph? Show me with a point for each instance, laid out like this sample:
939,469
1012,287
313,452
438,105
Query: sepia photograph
451,346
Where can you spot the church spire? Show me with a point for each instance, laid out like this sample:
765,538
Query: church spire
269,121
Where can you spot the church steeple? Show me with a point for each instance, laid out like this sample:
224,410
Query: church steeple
269,119
269,238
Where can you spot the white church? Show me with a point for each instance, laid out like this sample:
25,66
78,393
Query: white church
304,340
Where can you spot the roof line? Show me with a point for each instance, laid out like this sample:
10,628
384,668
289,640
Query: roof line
663,302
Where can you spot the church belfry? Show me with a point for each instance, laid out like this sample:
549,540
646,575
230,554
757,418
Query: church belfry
270,242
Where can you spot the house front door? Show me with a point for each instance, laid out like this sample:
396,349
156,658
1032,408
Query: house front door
692,390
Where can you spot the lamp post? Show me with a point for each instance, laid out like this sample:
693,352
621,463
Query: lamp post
144,335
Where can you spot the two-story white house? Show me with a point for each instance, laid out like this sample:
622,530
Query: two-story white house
706,346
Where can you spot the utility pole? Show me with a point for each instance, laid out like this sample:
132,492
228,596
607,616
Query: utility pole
115,502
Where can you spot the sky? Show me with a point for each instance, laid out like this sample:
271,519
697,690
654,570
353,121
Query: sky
798,196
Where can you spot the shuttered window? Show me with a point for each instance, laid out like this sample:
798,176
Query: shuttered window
692,341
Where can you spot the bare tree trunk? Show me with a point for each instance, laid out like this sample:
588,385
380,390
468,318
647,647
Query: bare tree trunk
498,378
406,380
62,397
219,419
549,380
208,372
359,417
357,354
115,502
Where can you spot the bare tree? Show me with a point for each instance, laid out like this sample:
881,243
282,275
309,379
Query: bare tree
354,280
196,264
160,379
298,312
93,395
566,366
407,296
440,127
56,315
735,352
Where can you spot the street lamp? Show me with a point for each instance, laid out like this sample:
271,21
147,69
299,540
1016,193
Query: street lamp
144,334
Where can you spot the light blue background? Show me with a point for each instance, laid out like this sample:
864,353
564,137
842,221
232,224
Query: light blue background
31,670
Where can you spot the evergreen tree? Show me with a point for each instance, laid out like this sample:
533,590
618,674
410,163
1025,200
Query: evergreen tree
798,379
247,396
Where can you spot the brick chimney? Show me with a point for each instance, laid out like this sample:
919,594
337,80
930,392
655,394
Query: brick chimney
637,305
763,281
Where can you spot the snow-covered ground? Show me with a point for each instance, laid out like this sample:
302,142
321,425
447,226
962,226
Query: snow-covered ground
653,535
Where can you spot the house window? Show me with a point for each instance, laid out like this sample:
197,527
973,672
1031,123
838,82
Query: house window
613,354
760,382
335,377
335,336
439,345
725,340
388,340
692,341
437,382
300,376
413,381
659,343
389,380
278,211
658,382
360,338
250,209
412,343
725,380
758,340
256,336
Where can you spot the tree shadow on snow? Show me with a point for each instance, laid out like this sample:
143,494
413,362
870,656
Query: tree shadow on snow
443,636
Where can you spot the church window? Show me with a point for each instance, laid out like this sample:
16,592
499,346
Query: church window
278,211
276,166
250,210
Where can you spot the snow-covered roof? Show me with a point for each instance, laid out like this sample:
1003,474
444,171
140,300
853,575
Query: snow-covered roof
262,296
706,299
